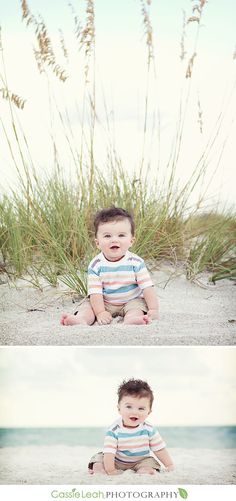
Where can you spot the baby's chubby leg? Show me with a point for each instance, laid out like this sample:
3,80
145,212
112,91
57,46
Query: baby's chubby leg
145,470
136,317
85,316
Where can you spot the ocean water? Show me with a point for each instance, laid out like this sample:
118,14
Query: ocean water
209,437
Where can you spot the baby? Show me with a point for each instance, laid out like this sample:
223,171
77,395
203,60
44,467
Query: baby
118,280
131,442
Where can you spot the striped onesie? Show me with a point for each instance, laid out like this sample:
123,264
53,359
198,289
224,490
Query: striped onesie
132,444
118,281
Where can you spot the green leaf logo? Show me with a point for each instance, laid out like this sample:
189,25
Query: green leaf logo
183,493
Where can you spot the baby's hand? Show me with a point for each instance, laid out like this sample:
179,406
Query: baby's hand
104,318
153,315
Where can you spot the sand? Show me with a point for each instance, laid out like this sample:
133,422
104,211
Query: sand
191,314
68,465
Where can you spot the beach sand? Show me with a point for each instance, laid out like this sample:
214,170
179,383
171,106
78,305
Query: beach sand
191,314
68,465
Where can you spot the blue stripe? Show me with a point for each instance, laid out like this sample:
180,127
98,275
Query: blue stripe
151,432
92,272
139,267
119,290
114,269
133,454
111,434
131,435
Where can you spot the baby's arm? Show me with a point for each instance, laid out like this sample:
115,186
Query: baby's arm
97,303
109,464
152,303
165,458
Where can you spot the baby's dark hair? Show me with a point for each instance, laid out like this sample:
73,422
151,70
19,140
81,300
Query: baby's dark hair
136,388
113,214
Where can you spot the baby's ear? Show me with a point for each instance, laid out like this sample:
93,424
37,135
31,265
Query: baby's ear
97,242
132,240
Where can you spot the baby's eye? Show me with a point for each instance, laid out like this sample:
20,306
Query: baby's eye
128,406
141,409
122,235
107,236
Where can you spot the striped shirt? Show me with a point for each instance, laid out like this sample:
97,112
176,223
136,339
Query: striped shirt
118,281
132,444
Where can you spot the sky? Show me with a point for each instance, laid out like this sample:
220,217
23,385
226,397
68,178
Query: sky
70,386
121,79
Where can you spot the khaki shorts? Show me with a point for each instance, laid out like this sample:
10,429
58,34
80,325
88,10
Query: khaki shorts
150,462
119,310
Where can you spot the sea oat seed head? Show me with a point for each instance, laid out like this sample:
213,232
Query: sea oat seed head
190,66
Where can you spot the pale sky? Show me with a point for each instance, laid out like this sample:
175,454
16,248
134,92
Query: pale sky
70,386
121,81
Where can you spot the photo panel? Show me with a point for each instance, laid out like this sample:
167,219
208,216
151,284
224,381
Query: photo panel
128,104
59,403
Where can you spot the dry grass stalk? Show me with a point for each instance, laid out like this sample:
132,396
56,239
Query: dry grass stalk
26,14
5,92
190,66
200,120
63,45
14,98
182,42
234,54
44,54
148,31
77,23
149,42
87,35
196,8
193,19
199,8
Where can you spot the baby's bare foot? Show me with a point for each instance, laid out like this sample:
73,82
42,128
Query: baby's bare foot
97,468
136,320
147,319
72,320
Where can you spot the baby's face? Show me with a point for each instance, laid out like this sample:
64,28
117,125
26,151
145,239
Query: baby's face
114,238
134,410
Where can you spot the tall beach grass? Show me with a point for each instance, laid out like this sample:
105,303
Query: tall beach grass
48,231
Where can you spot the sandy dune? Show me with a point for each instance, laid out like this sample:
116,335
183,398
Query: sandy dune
191,314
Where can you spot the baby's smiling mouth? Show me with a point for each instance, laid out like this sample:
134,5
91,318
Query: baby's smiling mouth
133,418
114,247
